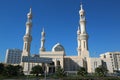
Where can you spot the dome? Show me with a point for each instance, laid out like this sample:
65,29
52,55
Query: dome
58,47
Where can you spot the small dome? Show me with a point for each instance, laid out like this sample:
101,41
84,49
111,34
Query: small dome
58,47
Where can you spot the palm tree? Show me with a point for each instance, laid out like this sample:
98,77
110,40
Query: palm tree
82,71
37,70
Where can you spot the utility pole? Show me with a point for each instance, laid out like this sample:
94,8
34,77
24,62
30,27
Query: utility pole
45,70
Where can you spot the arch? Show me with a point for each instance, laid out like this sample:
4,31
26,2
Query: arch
58,63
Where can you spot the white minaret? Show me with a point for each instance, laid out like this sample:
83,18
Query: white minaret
27,38
78,40
82,20
27,43
83,34
42,41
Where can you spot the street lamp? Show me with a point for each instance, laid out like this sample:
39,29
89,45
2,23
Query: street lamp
45,70
28,68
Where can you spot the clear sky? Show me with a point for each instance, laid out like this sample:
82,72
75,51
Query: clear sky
60,19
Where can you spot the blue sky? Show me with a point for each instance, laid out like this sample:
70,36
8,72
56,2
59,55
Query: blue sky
60,19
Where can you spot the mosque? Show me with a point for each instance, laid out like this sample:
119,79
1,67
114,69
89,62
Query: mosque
49,60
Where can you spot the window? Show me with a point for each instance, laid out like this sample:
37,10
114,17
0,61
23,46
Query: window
84,44
52,63
111,56
111,59
58,63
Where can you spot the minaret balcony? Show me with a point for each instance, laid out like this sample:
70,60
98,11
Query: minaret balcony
27,38
82,20
28,23
83,36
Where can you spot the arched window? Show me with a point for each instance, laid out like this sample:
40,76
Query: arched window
52,63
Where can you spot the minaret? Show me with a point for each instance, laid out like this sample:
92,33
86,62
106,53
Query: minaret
42,41
27,42
78,40
27,37
83,34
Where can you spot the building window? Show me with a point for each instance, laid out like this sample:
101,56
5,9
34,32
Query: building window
52,63
95,64
111,56
84,44
58,63
111,59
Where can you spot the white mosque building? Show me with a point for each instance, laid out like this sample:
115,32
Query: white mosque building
57,57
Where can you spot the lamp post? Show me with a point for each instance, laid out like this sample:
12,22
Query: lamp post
45,70
28,68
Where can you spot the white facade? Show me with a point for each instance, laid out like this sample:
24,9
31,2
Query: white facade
93,63
13,56
112,61
57,54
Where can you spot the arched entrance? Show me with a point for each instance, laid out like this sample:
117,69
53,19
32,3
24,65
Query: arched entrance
51,67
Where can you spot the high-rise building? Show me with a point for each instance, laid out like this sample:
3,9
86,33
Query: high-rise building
13,56
111,60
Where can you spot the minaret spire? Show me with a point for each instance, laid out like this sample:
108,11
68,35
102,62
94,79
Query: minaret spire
29,15
81,6
82,20
27,37
42,40
27,42
43,29
78,40
83,37
30,10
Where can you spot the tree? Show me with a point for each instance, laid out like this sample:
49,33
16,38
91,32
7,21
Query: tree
37,70
82,71
101,71
60,72
11,70
1,68
19,70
